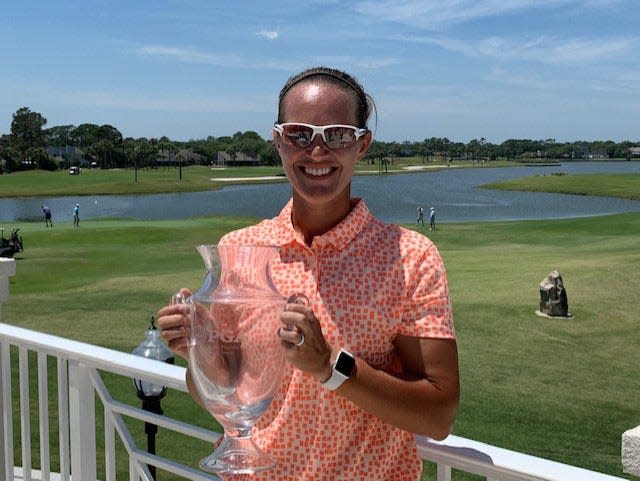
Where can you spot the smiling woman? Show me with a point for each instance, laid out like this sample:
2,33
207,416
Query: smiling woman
372,358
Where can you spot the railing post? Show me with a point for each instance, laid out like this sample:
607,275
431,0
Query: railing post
7,269
82,422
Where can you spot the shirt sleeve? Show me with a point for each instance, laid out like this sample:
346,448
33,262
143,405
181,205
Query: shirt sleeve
427,308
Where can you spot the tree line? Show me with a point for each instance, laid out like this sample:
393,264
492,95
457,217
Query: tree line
30,145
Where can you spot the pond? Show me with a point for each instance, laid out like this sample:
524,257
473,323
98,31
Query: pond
394,198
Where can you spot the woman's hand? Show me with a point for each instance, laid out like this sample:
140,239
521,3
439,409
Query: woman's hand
173,321
303,342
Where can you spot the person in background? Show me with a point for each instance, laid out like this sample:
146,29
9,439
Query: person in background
420,216
373,358
76,215
432,219
47,216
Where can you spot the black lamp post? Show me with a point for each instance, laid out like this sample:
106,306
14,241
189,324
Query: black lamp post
153,347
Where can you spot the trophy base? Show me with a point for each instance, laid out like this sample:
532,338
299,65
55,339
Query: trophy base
237,455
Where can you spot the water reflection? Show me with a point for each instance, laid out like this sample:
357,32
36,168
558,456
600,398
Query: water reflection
394,198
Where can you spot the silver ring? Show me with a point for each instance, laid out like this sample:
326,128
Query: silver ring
301,341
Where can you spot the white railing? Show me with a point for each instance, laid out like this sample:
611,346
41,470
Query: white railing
78,380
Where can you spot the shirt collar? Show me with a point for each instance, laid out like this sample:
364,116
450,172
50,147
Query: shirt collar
340,236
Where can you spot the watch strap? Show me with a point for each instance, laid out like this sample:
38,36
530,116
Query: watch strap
335,381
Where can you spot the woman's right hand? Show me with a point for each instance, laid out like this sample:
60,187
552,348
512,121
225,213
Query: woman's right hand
173,321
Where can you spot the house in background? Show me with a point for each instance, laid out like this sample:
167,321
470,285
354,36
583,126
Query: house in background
70,154
239,159
181,156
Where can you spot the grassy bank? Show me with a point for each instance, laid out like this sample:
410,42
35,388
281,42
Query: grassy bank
626,186
122,181
167,179
560,389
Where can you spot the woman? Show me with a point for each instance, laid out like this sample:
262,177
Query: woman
373,358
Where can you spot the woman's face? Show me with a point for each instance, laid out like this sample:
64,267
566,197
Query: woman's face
318,174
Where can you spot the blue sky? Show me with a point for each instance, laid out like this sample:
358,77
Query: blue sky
498,69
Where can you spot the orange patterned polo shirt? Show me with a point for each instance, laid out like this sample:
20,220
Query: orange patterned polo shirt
367,281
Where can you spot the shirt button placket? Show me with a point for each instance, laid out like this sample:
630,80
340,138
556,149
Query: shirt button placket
314,273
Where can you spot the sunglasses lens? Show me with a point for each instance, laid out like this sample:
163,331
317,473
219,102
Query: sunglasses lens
340,137
298,135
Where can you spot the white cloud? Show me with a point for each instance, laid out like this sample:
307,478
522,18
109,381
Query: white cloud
582,50
268,34
553,50
438,14
187,55
543,49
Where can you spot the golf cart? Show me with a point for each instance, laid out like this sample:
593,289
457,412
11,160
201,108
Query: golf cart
12,245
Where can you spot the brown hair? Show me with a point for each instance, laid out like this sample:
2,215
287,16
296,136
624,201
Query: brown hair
364,102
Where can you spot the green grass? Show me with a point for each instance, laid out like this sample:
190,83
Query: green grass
122,181
615,185
560,389
166,179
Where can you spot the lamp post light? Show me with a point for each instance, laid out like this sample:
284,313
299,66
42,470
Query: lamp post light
152,347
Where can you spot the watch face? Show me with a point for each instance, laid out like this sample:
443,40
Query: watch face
345,363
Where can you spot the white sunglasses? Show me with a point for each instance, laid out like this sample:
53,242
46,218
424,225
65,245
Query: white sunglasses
335,136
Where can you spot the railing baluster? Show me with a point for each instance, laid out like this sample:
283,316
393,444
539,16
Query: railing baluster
7,410
43,407
133,470
63,419
3,435
7,269
109,446
443,472
25,412
82,422
5,440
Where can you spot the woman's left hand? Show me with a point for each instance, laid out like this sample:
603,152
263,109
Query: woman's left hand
303,342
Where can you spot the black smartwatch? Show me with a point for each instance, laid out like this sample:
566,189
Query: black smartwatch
342,370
